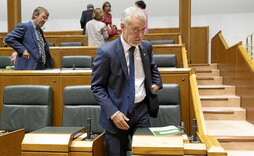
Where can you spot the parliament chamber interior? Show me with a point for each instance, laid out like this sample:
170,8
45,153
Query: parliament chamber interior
207,94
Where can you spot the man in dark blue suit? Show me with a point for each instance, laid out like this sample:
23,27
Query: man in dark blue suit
126,105
28,41
86,17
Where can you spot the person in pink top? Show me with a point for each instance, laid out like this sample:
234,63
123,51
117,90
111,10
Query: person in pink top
142,5
106,7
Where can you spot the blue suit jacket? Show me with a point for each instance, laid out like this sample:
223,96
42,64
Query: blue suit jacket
24,37
110,81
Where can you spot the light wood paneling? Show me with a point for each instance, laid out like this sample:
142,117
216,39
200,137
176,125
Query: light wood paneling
44,154
58,52
57,39
185,23
237,69
10,143
157,145
14,13
199,45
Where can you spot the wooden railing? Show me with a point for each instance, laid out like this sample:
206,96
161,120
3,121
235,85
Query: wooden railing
250,45
237,69
212,145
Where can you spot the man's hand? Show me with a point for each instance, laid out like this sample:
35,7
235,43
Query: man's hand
26,55
120,121
155,88
14,56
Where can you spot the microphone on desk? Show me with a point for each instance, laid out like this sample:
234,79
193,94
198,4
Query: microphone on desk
88,129
194,131
182,127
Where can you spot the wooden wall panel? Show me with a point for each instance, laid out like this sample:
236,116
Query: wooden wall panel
185,23
230,65
245,87
199,45
237,69
58,52
14,13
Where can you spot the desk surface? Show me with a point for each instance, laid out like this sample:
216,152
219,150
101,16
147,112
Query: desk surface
62,141
145,143
55,139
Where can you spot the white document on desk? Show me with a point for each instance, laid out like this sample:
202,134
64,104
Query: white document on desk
167,130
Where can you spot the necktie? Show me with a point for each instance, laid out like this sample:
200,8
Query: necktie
41,46
132,79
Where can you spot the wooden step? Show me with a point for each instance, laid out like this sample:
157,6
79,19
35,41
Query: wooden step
207,73
235,136
203,66
238,144
229,128
220,101
240,153
224,113
216,90
210,81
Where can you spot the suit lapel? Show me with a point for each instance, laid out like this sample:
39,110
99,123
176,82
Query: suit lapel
121,56
145,60
33,33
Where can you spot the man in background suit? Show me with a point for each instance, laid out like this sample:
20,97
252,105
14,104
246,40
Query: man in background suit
86,17
28,41
112,83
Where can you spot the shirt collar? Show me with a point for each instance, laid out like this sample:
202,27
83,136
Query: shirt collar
33,24
126,46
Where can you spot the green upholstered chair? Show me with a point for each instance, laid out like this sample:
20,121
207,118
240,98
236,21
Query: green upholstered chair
170,109
26,106
77,62
5,61
165,60
80,104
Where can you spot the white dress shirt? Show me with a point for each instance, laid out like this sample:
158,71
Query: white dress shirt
140,91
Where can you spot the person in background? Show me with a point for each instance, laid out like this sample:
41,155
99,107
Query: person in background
86,17
28,41
125,80
142,5
114,27
106,7
113,31
13,55
96,30
108,19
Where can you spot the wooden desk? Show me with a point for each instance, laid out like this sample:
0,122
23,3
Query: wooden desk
145,143
79,147
10,143
61,141
58,52
57,39
157,145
